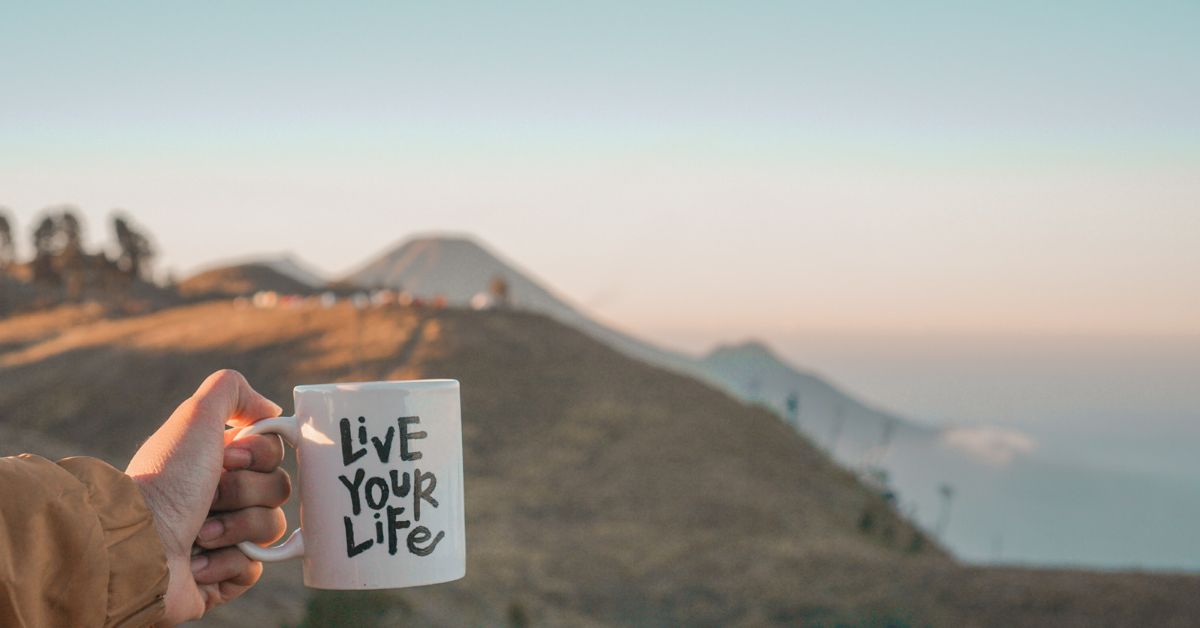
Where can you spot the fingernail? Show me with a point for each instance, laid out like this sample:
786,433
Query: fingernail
211,530
236,458
199,563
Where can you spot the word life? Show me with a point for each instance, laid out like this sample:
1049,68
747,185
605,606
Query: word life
386,496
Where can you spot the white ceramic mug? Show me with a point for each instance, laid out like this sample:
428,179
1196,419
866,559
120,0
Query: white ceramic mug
381,484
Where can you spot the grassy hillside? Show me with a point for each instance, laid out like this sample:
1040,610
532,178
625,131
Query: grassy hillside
599,490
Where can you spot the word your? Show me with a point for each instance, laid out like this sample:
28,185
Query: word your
384,495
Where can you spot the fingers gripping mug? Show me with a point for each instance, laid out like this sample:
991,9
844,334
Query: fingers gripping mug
381,484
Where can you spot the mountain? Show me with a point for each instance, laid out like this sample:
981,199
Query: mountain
894,450
851,431
1012,503
459,267
600,490
241,280
993,471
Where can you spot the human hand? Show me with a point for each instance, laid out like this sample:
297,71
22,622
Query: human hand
207,493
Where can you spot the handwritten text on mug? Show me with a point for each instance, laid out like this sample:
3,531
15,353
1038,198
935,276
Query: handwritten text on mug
383,496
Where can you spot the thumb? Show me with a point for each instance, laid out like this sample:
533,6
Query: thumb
226,397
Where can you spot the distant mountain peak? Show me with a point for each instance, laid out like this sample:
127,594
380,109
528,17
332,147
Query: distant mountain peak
285,263
750,347
436,240
461,237
243,279
455,266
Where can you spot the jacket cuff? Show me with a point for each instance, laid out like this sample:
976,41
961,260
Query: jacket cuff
137,564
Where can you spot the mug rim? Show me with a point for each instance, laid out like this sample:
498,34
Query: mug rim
402,384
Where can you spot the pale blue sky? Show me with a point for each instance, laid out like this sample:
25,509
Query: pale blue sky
1016,166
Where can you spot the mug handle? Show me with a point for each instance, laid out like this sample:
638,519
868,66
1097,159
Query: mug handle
293,547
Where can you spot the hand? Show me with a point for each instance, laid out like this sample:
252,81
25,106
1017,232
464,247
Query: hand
208,492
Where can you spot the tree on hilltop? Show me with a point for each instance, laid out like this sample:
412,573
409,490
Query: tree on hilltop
58,253
8,248
70,232
72,261
44,235
135,249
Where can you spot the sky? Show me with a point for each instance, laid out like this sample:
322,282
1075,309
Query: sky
690,171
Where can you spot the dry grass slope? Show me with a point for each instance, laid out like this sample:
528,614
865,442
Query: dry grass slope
600,490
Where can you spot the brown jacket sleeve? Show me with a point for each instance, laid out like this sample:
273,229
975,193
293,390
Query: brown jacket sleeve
77,546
